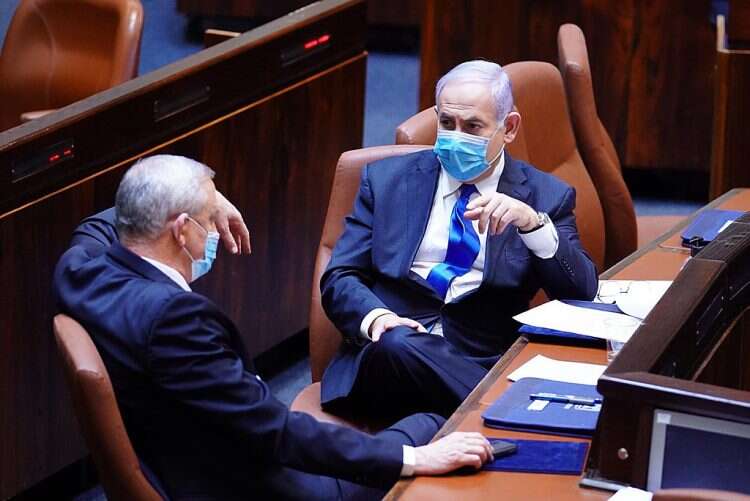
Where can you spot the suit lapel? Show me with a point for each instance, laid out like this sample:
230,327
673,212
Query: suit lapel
512,183
421,184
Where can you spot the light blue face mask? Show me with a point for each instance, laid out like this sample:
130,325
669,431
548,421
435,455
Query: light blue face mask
202,266
463,156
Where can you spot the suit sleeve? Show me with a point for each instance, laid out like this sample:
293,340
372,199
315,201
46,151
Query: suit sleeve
97,231
570,273
345,285
191,360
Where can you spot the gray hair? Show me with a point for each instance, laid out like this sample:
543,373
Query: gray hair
484,72
155,189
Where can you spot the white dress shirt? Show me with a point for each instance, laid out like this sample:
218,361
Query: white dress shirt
175,275
434,246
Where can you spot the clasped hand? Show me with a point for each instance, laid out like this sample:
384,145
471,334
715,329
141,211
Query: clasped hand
497,210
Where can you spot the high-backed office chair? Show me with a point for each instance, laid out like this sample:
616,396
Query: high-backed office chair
98,415
624,232
324,337
57,52
698,495
545,140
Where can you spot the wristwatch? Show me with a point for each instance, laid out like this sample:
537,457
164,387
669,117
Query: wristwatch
542,218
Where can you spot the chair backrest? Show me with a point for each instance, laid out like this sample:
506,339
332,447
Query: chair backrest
98,415
545,140
595,145
698,495
57,52
324,337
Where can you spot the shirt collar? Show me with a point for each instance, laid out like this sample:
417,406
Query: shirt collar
175,275
448,185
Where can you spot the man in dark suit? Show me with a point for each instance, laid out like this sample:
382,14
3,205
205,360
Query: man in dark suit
442,248
197,416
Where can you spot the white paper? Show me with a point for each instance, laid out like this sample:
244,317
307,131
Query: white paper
634,297
558,370
631,494
564,317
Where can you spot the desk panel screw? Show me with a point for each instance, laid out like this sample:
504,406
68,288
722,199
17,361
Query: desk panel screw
622,453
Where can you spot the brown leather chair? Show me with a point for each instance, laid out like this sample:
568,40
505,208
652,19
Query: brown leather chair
324,337
98,415
624,234
545,140
698,495
57,52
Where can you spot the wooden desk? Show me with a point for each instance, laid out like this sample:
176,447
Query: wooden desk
652,262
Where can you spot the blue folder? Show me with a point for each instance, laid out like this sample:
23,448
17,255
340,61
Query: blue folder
707,224
542,332
542,456
511,410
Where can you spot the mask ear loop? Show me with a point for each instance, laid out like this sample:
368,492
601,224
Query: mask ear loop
490,162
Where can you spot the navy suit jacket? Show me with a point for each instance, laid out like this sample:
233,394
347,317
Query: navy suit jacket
197,417
370,264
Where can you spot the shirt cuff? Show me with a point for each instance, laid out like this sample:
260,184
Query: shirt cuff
542,242
364,327
410,461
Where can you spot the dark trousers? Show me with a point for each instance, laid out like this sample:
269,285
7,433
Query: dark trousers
408,371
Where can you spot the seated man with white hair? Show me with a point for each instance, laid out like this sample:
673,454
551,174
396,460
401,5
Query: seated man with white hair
442,249
201,422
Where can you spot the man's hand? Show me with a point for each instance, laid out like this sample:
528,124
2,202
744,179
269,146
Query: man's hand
496,211
452,452
231,227
390,320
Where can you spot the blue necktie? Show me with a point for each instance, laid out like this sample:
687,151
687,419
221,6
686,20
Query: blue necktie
463,246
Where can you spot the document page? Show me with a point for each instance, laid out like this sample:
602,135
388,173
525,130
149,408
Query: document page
558,370
567,318
634,297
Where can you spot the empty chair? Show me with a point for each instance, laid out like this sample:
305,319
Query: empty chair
324,337
624,232
98,415
57,52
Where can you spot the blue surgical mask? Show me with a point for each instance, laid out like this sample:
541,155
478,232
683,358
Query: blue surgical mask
463,156
202,266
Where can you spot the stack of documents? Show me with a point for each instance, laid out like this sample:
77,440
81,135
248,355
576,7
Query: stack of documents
578,320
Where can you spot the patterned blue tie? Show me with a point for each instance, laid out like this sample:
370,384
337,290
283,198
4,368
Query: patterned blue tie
463,246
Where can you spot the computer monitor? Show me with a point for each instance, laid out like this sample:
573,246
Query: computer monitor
690,451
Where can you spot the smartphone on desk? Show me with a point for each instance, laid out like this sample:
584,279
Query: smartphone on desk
501,448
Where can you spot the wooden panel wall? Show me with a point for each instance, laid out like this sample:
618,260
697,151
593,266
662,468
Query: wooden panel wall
731,148
652,63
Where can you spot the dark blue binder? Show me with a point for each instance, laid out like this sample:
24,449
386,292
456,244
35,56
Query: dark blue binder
542,332
707,224
542,456
511,411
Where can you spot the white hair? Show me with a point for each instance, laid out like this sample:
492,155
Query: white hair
154,190
483,72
